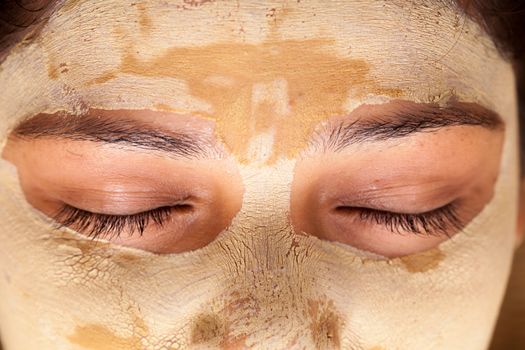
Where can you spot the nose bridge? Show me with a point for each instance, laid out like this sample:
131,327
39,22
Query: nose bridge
261,243
267,191
271,300
261,230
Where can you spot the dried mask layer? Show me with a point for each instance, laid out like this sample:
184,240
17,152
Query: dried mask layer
259,284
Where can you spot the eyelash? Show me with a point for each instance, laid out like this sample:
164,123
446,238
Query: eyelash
110,226
433,223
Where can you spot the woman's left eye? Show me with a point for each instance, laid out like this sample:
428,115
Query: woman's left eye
107,226
437,222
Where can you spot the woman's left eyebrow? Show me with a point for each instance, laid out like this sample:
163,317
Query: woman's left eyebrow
126,133
376,124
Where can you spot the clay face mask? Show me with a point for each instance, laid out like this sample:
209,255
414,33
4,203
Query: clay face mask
266,85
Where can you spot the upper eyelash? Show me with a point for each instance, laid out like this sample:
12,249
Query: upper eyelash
110,226
435,222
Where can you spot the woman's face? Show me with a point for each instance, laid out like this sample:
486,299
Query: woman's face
286,175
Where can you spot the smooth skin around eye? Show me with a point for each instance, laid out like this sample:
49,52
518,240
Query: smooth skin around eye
73,181
399,198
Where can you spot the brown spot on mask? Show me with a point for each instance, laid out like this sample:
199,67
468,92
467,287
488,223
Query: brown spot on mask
316,83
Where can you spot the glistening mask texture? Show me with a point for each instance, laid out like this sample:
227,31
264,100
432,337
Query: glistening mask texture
260,284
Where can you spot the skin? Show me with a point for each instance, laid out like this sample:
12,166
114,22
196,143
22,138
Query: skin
265,257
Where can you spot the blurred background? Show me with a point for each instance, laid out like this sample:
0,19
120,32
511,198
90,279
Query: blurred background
510,330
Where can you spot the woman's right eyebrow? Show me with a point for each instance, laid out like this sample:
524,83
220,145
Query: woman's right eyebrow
125,133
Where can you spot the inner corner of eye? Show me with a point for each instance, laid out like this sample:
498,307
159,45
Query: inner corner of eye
183,207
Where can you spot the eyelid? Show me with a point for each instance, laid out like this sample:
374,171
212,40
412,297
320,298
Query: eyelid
400,199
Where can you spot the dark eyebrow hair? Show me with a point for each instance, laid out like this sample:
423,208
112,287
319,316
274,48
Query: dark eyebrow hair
373,125
128,133
410,118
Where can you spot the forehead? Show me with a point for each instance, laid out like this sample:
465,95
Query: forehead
406,46
258,61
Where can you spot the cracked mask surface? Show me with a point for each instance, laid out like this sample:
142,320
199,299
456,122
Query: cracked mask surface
259,285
